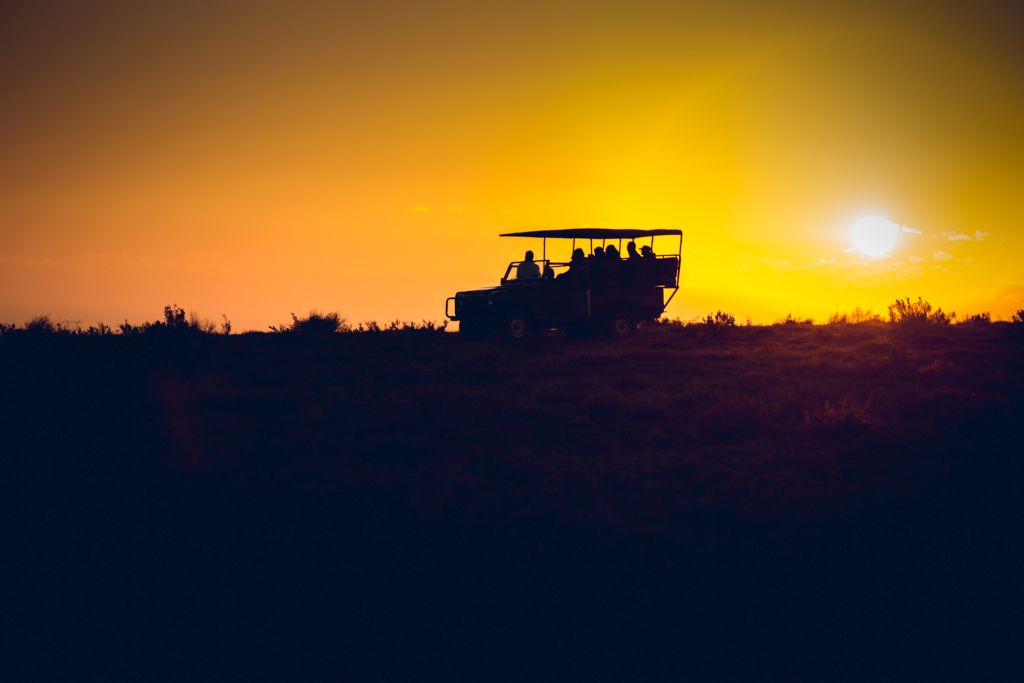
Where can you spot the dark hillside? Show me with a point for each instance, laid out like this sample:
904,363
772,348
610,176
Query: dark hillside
762,499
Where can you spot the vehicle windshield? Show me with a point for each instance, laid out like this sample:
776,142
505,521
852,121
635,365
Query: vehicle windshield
523,271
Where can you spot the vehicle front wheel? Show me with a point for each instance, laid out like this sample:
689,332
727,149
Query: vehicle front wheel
622,325
516,327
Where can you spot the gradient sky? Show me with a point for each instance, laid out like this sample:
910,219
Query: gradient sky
256,159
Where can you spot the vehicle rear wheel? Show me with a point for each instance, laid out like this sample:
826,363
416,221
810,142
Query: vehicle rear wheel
517,327
622,324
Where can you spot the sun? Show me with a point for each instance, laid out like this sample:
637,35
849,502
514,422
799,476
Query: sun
874,235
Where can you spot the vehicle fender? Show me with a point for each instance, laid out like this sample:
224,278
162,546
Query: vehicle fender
506,308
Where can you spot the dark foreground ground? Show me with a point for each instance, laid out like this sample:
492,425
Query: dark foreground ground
838,502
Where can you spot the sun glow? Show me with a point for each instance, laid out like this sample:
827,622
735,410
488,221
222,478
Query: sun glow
874,236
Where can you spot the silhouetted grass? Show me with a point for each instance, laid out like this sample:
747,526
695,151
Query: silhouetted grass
825,467
321,324
675,388
905,315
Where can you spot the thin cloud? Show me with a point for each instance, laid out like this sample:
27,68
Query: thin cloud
744,261
942,256
419,208
977,236
907,230
849,268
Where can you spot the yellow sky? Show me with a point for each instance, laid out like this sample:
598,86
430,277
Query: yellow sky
261,159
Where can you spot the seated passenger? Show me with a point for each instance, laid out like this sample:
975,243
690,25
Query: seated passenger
528,268
598,267
633,267
579,260
613,264
634,255
577,273
549,272
650,263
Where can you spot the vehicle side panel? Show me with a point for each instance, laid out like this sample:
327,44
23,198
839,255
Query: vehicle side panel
645,303
550,304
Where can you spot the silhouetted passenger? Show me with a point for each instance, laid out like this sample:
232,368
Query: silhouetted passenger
527,268
598,267
633,267
650,265
613,265
549,272
577,273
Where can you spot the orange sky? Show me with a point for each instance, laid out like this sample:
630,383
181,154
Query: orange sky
261,159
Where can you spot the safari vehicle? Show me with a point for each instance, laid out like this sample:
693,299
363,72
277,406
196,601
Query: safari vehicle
573,296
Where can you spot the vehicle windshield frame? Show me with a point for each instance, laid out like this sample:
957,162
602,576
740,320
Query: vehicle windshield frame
507,278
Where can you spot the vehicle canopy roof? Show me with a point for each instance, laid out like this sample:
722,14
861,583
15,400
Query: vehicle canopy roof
592,233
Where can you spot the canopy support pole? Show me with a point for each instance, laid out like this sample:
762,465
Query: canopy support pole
544,249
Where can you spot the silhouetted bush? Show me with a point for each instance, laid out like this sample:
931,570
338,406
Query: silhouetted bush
127,329
790,321
977,319
315,324
1018,317
41,325
854,317
175,323
911,315
7,328
426,327
99,330
174,317
718,324
333,323
720,319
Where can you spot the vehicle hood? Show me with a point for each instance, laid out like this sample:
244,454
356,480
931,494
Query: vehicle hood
483,291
